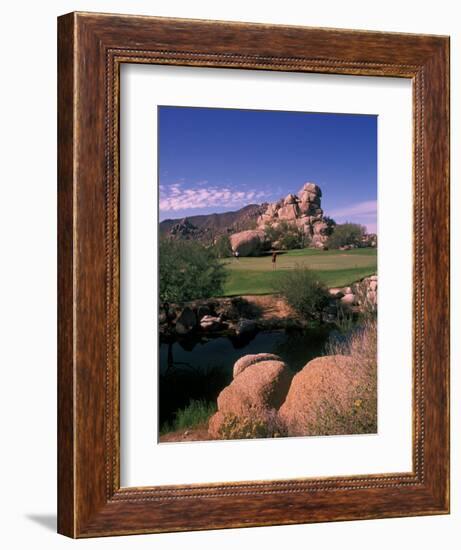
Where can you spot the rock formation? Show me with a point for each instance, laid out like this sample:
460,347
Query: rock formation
184,229
302,210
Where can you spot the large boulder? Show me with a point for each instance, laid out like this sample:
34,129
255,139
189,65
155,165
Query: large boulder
263,385
327,397
310,191
248,243
349,299
254,393
310,194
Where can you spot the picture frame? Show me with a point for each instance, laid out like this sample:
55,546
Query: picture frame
91,49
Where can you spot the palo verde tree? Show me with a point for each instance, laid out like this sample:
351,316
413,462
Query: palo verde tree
188,270
346,234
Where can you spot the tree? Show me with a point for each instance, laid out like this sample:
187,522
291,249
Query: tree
291,239
331,224
287,236
222,247
346,234
188,271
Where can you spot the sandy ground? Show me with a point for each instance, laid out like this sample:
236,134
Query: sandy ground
199,433
271,306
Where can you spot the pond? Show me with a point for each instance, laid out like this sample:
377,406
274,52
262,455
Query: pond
199,368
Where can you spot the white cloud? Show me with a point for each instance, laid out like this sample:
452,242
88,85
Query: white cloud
367,208
364,213
177,197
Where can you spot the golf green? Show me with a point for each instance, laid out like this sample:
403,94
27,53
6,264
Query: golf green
334,267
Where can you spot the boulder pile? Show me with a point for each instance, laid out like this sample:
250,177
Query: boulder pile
302,211
361,297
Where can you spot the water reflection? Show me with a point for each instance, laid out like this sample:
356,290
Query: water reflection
199,368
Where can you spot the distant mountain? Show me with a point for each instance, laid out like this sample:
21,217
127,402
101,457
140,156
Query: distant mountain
207,227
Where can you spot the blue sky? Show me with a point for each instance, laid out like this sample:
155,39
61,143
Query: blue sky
216,160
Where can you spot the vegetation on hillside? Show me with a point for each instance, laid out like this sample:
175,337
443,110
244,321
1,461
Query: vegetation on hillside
188,271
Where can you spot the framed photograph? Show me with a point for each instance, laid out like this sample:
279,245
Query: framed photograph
253,259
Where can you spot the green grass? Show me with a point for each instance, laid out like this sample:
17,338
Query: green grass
333,267
195,414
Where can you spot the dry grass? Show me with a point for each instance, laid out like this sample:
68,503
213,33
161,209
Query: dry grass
355,410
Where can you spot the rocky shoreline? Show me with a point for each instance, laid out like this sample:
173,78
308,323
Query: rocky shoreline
219,317
241,315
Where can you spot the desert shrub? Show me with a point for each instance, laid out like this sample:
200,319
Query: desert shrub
356,410
346,234
347,319
197,413
368,307
304,292
253,426
222,247
188,271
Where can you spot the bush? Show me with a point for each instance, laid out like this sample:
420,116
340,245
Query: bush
222,247
304,292
256,426
188,271
197,413
346,234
